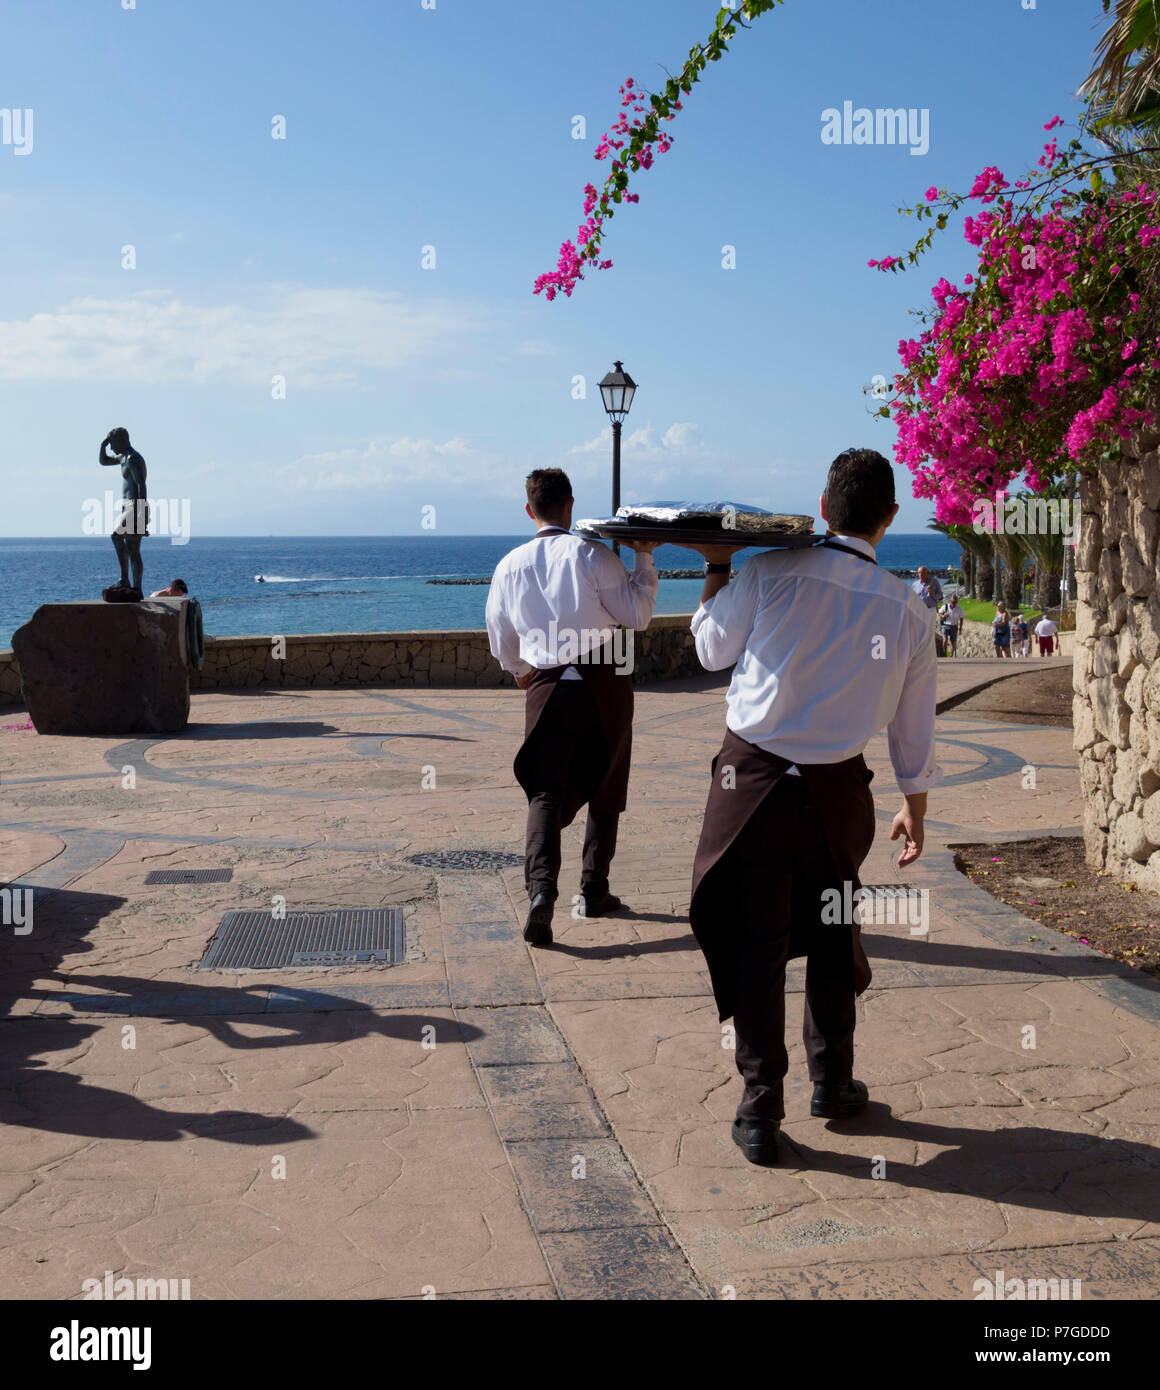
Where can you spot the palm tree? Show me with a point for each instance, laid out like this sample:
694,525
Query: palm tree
1124,83
977,557
1012,550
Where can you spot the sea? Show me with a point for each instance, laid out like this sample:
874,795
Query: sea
313,584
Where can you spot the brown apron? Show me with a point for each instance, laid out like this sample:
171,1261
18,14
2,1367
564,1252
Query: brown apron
605,789
841,792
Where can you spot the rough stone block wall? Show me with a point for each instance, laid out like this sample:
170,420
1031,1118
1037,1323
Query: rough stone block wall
1117,676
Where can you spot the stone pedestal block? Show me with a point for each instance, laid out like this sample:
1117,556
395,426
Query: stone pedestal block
105,668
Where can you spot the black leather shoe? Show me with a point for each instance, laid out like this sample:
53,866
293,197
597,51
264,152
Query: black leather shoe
538,928
832,1102
600,905
757,1140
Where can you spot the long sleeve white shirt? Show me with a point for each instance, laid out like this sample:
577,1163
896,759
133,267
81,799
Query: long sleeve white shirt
829,650
559,584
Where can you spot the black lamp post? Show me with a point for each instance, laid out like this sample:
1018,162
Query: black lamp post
617,389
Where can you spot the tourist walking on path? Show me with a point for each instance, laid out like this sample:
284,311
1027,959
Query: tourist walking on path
953,618
1045,632
1001,632
829,649
552,614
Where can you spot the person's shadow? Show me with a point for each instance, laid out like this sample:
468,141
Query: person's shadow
1024,1165
36,1095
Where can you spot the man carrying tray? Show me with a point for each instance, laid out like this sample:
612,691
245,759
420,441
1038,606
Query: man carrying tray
552,614
829,649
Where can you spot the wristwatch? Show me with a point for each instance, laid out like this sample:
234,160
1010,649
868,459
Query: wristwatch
724,567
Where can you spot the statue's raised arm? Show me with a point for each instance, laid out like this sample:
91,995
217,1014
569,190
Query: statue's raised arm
133,524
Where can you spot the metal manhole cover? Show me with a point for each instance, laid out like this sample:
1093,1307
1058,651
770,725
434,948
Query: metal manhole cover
342,937
488,860
189,876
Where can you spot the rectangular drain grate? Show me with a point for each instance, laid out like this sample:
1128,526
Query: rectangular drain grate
189,876
344,936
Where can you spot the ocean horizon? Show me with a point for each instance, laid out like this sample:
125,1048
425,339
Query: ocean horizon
320,584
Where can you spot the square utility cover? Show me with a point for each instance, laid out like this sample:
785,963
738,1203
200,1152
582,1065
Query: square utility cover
345,936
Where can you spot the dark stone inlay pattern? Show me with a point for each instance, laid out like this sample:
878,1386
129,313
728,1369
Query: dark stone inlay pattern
636,1263
465,860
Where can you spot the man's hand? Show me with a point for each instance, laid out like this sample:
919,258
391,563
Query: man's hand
645,547
908,824
524,681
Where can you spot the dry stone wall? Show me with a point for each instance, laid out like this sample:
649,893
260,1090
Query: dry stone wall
1117,674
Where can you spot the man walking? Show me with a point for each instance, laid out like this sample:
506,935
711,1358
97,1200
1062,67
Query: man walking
552,614
1045,633
953,618
927,587
829,649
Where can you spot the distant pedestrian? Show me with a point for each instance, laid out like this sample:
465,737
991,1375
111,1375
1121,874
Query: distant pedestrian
1045,631
952,620
1025,635
1001,632
927,587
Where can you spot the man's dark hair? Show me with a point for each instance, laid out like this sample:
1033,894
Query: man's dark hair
549,492
119,438
859,492
179,584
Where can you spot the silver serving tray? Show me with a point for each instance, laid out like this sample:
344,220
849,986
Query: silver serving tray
727,516
666,533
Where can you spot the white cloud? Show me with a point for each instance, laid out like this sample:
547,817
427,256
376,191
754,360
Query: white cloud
534,348
385,463
313,337
681,438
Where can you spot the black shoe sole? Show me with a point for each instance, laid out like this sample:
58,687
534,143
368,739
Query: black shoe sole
762,1155
538,931
837,1110
602,910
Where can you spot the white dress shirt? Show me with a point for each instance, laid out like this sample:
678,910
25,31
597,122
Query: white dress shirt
828,651
557,584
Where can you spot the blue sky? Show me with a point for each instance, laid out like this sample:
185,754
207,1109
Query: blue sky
452,127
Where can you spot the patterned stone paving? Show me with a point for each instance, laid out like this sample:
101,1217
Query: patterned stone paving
483,1121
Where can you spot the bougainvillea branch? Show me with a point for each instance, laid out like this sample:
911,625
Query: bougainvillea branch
1042,362
638,135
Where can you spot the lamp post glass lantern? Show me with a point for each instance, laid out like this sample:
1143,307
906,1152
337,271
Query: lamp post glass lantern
617,390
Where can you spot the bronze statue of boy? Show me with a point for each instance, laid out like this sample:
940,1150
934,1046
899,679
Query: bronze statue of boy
133,524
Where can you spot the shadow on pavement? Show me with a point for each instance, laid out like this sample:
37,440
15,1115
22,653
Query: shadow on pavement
1022,1166
37,1095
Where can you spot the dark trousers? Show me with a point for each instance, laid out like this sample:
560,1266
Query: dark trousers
568,751
779,866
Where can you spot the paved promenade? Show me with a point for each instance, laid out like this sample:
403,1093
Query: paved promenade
487,1121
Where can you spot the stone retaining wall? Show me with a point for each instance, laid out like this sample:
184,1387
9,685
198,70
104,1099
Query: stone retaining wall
975,640
664,652
1117,675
